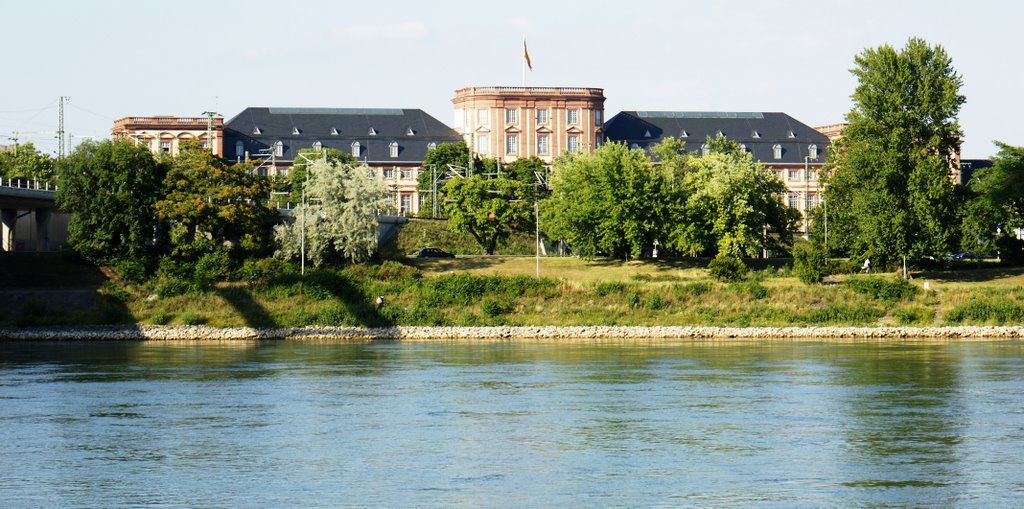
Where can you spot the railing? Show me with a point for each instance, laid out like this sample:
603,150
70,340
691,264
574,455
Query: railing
574,91
167,121
34,185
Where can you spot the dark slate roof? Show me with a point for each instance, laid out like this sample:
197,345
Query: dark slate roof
338,128
646,128
969,166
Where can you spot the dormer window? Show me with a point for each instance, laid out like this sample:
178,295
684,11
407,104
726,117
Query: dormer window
393,146
431,146
684,134
790,134
317,145
743,147
278,149
812,151
372,132
355,149
705,149
647,134
755,134
777,151
295,131
409,131
719,134
256,131
334,131
239,149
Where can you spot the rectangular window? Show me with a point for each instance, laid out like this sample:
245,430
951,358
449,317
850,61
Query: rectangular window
542,116
389,173
406,173
597,141
511,144
810,201
165,146
597,117
481,144
794,201
793,174
574,143
406,204
511,115
542,144
482,117
574,116
812,174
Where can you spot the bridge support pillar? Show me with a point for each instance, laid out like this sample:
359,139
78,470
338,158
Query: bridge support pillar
9,219
42,229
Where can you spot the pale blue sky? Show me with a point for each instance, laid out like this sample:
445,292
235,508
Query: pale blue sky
119,58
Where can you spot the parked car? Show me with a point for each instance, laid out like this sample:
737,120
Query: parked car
962,256
432,252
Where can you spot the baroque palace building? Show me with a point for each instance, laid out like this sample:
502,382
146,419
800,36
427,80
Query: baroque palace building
506,123
792,150
163,134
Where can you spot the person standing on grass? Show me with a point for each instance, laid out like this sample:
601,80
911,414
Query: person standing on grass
867,265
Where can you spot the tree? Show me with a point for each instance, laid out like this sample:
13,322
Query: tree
613,200
995,204
488,209
732,205
434,174
110,189
25,162
340,214
297,174
209,204
886,180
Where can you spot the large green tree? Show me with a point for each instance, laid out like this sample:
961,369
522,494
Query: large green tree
489,209
732,204
613,201
110,188
436,172
340,214
996,202
210,204
887,185
25,162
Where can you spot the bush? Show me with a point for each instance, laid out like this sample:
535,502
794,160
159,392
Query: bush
693,289
727,269
984,311
263,270
215,266
889,290
497,307
655,301
752,289
191,318
809,263
915,315
633,300
131,270
606,288
172,286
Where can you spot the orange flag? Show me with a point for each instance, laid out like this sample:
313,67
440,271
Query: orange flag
526,55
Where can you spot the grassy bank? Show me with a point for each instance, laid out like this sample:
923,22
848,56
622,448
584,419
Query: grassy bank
504,291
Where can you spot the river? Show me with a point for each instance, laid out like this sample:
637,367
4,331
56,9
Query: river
511,424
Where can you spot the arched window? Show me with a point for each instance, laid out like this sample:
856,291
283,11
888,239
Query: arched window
777,151
278,149
355,149
393,146
704,149
812,150
239,149
431,146
317,145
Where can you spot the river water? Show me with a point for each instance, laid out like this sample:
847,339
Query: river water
500,424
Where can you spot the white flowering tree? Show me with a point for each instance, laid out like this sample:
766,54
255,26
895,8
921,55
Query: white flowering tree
341,208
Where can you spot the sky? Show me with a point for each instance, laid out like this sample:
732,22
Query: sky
116,58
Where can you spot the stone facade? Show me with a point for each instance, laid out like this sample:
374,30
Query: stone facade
507,123
164,134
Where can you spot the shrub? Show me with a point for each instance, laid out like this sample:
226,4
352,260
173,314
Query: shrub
605,288
752,289
131,270
633,300
263,270
115,291
655,301
914,315
889,290
694,289
496,307
727,269
215,266
192,318
844,314
985,311
809,263
160,318
172,286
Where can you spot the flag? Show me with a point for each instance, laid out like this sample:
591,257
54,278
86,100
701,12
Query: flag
526,55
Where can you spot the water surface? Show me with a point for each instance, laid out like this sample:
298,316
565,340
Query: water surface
500,424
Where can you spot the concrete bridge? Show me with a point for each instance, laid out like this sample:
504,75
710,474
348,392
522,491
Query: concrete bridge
29,217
